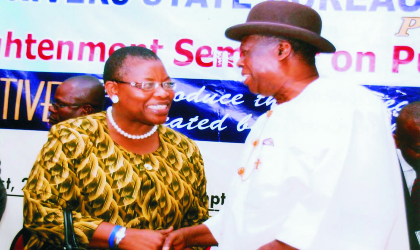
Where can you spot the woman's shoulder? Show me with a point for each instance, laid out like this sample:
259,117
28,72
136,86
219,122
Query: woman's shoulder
76,135
174,137
87,125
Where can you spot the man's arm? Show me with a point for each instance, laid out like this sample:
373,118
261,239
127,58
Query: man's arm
276,245
201,236
180,239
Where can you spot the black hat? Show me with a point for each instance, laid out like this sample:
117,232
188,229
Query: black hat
286,19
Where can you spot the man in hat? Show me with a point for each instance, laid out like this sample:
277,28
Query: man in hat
77,96
407,139
319,169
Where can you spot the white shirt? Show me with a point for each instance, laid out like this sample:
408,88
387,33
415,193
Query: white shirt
328,179
409,173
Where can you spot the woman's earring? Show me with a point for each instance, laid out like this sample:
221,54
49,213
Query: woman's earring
115,99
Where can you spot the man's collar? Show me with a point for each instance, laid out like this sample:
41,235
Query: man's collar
404,164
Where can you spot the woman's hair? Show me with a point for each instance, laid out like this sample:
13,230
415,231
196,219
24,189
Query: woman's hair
114,65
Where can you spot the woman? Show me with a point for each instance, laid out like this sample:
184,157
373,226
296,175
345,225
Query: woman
118,168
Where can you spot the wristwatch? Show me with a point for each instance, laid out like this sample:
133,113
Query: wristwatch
119,236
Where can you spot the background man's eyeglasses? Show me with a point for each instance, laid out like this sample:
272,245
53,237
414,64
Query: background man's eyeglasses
58,105
414,148
149,86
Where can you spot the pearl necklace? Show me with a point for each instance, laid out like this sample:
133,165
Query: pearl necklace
111,119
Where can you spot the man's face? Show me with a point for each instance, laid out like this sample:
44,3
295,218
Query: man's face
65,96
409,144
260,64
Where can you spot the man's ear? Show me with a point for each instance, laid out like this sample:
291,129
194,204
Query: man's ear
396,140
87,109
284,49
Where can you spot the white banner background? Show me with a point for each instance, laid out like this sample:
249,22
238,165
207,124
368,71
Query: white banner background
355,27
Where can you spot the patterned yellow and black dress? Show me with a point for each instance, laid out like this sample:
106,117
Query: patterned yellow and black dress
81,167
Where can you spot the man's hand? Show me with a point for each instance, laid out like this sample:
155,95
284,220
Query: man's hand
182,239
176,240
165,232
276,245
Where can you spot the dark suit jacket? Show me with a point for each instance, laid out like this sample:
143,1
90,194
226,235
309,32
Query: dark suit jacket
3,198
412,228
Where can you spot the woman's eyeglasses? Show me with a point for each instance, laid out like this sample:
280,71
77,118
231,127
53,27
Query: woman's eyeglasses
149,86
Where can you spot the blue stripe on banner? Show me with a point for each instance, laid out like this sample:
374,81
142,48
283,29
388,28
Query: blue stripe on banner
207,110
396,98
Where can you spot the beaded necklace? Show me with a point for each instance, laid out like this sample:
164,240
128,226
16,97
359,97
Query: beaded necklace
125,134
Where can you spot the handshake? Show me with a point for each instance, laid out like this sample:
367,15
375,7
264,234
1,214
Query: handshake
165,239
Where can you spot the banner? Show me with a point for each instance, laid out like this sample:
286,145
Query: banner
44,42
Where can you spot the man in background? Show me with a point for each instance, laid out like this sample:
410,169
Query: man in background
407,140
319,170
77,96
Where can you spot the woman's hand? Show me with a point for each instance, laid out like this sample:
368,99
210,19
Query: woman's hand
139,239
144,239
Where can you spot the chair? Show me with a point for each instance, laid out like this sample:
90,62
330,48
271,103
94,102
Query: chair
17,243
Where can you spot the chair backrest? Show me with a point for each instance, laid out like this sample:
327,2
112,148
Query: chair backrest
17,243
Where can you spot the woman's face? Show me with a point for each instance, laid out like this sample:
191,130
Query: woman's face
136,105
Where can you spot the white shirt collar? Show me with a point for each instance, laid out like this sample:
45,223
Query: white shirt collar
404,164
